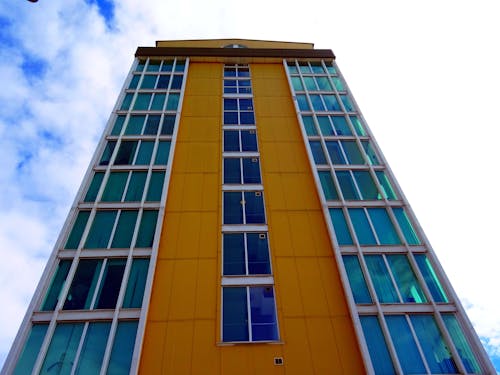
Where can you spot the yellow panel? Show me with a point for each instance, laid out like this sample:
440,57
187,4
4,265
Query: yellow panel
219,43
349,357
209,235
160,298
201,106
267,106
291,303
297,351
183,290
311,287
323,346
178,348
152,349
203,129
207,284
282,246
206,356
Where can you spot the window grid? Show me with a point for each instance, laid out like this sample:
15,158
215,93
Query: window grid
330,120
242,178
146,113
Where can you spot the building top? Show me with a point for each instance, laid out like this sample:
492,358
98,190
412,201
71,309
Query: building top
233,43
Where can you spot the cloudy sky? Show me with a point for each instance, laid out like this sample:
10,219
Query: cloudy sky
425,73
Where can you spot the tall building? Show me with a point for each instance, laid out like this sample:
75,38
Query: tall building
238,217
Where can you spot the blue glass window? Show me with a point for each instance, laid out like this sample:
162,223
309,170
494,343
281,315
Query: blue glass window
62,349
327,185
142,102
152,125
233,208
317,68
251,171
246,254
340,227
100,231
356,279
163,82
386,292
335,152
134,81
180,66
167,65
362,227
93,348
127,100
135,188
352,152
324,84
107,153
153,66
126,153
309,125
386,185
107,294
123,348
232,171
317,151
349,107
340,125
325,126
147,228
173,102
248,140
162,153
462,344
234,254
406,281
77,230
317,103
331,102
263,314
366,185
94,187
234,314
144,153
31,349
303,104
148,81
347,185
360,130
167,127
231,140
136,283
297,84
381,360
431,278
176,82
233,168
58,280
124,229
254,207
140,65
155,186
370,152
406,227
117,127
384,228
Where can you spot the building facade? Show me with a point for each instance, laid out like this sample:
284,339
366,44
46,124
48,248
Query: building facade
238,217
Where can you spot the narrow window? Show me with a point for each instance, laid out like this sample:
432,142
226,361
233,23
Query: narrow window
123,348
340,227
386,185
126,153
135,187
352,152
232,171
144,153
361,226
158,101
77,230
386,292
31,349
251,171
360,130
327,185
309,125
136,283
83,285
405,278
100,231
384,228
234,254
381,360
233,208
162,153
347,186
356,279
152,125
109,289
248,140
127,100
331,103
431,278
94,187
317,151
124,229
135,124
93,348
117,127
107,153
462,344
341,126
62,349
56,285
254,207
155,186
406,227
325,126
366,186
335,152
172,102
115,187
167,127
147,228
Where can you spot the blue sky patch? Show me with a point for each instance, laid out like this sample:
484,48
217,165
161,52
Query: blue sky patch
106,9
33,67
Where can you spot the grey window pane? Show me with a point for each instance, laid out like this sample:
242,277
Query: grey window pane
405,345
158,101
407,283
94,187
134,125
167,127
142,102
258,254
386,292
352,152
263,314
93,348
134,81
362,227
115,187
148,81
386,185
144,153
124,229
377,347
56,285
248,140
462,344
340,226
234,314
77,230
162,153
126,153
135,187
83,285
317,151
431,278
155,187
325,126
383,226
147,228
152,125
100,230
136,283
356,279
327,185
360,130
366,185
251,171
117,127
123,348
234,254
110,284
62,349
172,102
254,208
233,209
31,349
107,153
406,227
335,152
232,171
347,186
127,99
309,125
340,125
435,350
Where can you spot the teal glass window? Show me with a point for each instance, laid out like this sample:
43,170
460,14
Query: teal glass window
135,124
384,228
62,349
325,126
152,124
303,104
349,107
56,285
431,278
148,81
297,84
352,152
100,231
309,125
331,102
292,68
406,281
134,81
124,229
144,153
135,186
360,130
335,152
155,186
127,100
93,348
153,66
362,226
77,230
340,226
317,103
136,283
140,65
356,279
304,68
317,151
158,101
126,153
83,285
366,186
162,153
462,344
405,225
386,185
179,66
317,68
370,152
324,84
167,65
115,187
435,350
172,102
405,345
347,186
386,292
94,187
109,288
142,102
167,127
123,348
147,228
331,69
379,354
117,127
338,84
31,349
107,153
340,125
310,84
327,185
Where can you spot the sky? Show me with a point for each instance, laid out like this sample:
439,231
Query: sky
425,75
